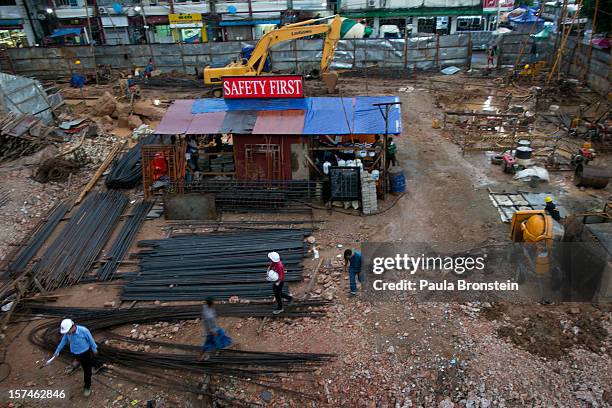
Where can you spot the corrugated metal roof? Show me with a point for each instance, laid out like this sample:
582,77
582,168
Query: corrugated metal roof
308,116
206,123
177,119
289,122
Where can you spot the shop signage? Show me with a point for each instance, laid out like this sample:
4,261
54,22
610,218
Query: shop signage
277,86
490,6
185,20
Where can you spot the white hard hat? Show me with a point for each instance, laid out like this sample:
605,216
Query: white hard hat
272,276
274,256
66,325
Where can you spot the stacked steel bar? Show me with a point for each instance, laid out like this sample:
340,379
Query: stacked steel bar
124,240
79,243
37,240
258,368
193,267
147,314
254,195
127,171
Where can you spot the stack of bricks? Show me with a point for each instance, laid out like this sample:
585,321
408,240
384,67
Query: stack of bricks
369,201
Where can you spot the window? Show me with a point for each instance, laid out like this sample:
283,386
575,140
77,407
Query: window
7,3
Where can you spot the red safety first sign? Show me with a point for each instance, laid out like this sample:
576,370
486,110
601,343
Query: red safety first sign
277,86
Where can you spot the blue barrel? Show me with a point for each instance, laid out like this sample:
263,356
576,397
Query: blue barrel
397,181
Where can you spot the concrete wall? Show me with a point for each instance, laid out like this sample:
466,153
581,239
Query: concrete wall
193,206
301,56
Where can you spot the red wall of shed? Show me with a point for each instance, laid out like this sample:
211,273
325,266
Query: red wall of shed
285,141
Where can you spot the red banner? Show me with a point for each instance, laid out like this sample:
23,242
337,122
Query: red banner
489,6
277,86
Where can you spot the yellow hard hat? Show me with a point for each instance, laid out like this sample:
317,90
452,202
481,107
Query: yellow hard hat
77,62
548,200
526,66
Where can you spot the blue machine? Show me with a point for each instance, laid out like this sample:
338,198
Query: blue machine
246,53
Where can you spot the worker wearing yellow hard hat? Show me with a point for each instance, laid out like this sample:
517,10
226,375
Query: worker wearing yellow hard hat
551,209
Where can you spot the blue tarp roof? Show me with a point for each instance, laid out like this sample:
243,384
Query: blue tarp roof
332,116
62,32
529,16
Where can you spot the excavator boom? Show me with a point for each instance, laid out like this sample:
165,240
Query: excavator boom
255,64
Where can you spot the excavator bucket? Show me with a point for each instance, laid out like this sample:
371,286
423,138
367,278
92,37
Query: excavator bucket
330,79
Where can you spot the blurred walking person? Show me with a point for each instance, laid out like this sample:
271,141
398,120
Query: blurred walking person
215,339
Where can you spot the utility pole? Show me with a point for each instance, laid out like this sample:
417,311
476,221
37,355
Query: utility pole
498,14
91,45
385,114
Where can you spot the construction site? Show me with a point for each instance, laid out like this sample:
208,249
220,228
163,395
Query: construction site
260,189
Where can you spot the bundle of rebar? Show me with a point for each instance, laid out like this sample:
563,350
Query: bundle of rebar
5,197
126,172
193,267
79,243
124,240
148,314
37,239
258,368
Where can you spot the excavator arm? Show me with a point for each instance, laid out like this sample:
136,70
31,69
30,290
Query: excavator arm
255,65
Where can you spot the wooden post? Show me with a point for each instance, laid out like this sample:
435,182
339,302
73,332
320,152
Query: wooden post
405,49
437,62
590,49
469,55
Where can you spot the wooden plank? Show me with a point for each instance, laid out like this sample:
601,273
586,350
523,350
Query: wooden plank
313,277
101,169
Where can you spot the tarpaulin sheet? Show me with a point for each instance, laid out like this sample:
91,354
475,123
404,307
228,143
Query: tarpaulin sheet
177,119
369,119
289,122
239,122
329,116
224,105
206,123
61,32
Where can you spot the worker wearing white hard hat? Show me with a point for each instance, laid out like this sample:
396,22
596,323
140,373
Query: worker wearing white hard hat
276,275
83,347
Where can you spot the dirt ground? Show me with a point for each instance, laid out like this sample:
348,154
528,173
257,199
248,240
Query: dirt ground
393,351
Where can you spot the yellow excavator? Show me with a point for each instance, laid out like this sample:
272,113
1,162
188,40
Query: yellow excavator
255,64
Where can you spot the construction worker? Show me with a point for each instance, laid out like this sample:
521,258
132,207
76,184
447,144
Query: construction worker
215,337
276,275
352,264
83,347
551,209
491,53
391,152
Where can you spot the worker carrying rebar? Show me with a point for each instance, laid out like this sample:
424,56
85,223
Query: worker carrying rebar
551,209
352,264
83,347
215,337
276,275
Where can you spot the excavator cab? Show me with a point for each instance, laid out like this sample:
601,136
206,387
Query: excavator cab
246,53
258,60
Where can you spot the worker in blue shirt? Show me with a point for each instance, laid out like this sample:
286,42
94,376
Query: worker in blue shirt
352,262
83,347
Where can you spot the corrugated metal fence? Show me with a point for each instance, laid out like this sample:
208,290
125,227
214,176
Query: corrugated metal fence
301,56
